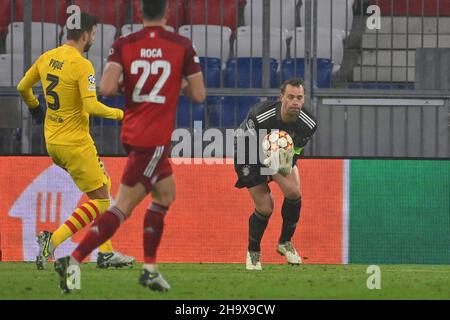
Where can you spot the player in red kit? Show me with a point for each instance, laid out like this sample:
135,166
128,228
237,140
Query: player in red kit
153,63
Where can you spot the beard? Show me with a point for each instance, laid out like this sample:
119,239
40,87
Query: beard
87,47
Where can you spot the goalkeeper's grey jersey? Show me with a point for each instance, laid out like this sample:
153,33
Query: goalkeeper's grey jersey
267,115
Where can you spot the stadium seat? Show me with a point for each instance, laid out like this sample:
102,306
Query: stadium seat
111,12
342,13
210,41
188,112
5,18
400,8
212,71
242,68
12,64
296,68
176,14
282,13
231,111
214,12
45,36
105,37
335,53
249,42
50,11
130,28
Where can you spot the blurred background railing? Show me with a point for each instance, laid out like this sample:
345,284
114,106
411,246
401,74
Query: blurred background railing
375,92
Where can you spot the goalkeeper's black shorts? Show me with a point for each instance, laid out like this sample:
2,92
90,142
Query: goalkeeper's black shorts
249,175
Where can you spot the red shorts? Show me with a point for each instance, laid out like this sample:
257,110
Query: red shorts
146,166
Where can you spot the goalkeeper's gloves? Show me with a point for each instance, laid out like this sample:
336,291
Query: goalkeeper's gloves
285,161
280,161
38,114
273,161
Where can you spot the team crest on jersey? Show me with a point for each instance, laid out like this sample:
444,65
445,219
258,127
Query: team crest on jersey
250,124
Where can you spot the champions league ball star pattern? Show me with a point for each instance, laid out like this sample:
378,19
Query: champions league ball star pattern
275,141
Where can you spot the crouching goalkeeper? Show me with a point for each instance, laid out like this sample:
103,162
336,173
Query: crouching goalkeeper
287,115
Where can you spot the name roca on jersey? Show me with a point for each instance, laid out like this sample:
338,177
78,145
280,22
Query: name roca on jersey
152,53
146,69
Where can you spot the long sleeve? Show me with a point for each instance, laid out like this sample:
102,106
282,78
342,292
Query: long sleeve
92,106
26,84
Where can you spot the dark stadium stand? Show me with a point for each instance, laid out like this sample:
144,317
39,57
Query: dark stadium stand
400,7
176,17
4,18
185,109
209,12
238,71
229,112
52,11
382,85
296,68
212,71
107,11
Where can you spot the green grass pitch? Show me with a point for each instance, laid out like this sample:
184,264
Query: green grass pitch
232,282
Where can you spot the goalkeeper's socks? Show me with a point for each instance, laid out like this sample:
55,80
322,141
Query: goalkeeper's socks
102,230
257,225
291,215
82,216
153,230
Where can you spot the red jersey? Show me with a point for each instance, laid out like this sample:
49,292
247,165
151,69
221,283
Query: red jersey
154,62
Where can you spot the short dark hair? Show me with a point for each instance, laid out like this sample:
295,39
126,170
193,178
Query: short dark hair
87,23
153,9
295,82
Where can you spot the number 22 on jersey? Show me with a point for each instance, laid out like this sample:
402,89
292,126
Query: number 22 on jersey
150,68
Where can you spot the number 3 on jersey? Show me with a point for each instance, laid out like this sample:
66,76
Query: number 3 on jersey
54,80
150,68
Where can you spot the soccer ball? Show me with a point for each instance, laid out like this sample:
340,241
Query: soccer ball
277,140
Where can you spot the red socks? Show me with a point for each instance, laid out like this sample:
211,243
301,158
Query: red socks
102,230
153,229
108,223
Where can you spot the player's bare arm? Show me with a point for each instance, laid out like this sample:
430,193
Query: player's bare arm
195,88
110,82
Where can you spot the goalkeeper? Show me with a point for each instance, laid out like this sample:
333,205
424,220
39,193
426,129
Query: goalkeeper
68,80
287,115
